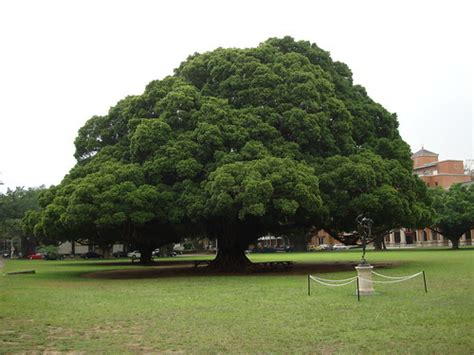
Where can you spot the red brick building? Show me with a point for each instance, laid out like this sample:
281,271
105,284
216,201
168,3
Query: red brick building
438,173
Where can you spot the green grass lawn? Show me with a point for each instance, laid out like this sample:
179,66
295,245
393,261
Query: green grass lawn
59,310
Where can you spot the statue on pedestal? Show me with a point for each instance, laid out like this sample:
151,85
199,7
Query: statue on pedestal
365,231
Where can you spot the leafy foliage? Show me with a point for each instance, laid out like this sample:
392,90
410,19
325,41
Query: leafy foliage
13,206
454,211
380,188
233,146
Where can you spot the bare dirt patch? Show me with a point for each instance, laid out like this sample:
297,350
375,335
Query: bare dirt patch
187,269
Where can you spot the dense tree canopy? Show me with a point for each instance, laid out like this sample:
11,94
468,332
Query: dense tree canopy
454,212
235,145
380,188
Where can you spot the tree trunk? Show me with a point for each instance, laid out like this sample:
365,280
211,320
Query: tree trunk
230,260
165,250
378,243
145,256
300,245
24,246
231,252
455,242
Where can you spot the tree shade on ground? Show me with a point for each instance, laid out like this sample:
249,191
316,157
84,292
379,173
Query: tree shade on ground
236,144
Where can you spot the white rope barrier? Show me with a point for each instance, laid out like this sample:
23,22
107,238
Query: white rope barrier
392,281
333,285
328,280
393,277
358,279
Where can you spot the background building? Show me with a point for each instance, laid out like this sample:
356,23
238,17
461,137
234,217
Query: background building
434,173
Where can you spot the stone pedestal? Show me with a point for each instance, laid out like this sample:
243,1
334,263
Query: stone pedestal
364,272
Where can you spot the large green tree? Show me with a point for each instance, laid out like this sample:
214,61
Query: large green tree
454,212
231,147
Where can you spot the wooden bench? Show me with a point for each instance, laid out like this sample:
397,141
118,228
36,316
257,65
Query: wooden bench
201,262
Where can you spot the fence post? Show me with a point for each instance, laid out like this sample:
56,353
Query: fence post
309,286
424,281
358,291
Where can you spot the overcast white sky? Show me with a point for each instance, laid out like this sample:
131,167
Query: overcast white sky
62,62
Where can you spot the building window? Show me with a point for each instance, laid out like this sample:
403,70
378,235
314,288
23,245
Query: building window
321,240
436,183
434,235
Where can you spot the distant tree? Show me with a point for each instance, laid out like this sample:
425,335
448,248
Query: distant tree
469,168
13,206
454,212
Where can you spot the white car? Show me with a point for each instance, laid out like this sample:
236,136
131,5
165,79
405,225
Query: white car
340,247
134,254
178,248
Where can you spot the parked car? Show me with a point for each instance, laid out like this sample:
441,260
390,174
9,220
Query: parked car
156,252
340,247
92,255
320,247
119,254
134,254
35,256
178,248
53,256
5,253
